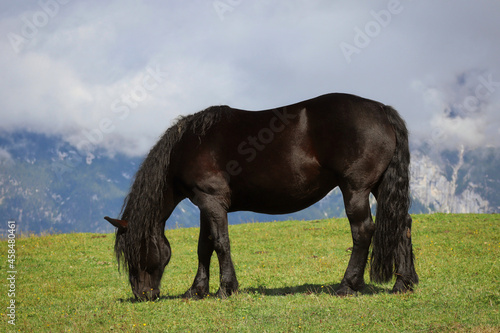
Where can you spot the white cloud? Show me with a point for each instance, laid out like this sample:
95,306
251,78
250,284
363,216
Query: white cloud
67,78
466,131
5,156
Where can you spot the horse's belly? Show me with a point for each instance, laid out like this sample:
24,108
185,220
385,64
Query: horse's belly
286,199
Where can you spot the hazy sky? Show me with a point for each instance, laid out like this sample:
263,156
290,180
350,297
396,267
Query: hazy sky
115,74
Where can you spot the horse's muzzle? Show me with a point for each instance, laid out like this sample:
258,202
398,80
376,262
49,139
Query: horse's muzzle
147,294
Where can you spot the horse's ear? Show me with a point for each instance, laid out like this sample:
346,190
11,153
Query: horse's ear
120,224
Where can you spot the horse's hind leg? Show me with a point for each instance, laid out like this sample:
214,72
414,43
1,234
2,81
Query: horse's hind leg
406,276
362,228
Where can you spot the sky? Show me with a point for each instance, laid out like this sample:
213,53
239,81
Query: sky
116,74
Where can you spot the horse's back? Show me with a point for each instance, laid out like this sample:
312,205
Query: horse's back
285,159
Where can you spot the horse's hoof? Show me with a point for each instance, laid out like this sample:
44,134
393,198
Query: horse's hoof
345,290
224,293
194,294
400,287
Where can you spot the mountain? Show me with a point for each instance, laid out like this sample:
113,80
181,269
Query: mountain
46,185
457,181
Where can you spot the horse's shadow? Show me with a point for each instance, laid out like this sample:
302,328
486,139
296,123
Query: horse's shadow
161,298
306,289
312,289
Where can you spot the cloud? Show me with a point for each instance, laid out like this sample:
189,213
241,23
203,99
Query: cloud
462,112
5,156
85,74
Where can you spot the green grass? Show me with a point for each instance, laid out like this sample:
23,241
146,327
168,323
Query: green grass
287,273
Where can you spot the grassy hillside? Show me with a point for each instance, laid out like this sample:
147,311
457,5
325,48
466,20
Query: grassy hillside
288,272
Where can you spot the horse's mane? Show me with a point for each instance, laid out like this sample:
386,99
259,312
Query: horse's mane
142,206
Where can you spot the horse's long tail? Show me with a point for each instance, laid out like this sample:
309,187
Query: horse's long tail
392,250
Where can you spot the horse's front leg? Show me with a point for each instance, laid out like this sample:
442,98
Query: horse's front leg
214,235
217,218
200,287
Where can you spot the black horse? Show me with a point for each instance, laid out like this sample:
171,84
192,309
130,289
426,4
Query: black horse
275,161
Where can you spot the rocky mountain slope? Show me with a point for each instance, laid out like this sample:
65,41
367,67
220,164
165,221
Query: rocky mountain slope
458,181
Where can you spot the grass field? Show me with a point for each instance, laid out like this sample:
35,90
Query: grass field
288,272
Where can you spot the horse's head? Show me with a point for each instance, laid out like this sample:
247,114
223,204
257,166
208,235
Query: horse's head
146,262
